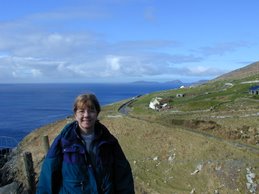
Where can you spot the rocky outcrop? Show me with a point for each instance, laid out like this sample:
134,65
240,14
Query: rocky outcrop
12,188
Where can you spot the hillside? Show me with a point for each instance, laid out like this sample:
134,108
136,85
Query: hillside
247,71
203,141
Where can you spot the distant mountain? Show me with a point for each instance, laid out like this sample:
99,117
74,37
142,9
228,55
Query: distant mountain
244,72
199,82
175,82
145,82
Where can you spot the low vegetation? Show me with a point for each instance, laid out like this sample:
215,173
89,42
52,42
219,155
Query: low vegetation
205,142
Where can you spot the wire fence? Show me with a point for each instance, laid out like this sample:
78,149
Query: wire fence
6,145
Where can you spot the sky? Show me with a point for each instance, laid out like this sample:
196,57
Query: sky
91,41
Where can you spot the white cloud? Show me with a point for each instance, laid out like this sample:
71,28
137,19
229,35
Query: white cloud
29,54
36,73
56,39
199,70
204,71
113,63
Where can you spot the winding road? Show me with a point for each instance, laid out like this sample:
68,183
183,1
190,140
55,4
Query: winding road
124,109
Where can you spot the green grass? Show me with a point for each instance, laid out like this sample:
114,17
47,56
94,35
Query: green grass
214,95
197,129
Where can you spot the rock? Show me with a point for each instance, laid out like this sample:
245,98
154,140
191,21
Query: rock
198,169
155,158
192,191
171,158
10,188
250,185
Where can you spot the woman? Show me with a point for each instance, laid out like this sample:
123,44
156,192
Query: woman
85,157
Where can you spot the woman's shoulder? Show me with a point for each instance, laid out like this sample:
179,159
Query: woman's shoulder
69,129
103,132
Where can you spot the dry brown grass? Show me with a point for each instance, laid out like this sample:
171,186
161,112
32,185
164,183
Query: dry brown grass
162,157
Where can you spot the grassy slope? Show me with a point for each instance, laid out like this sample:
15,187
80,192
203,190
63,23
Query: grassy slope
208,126
163,158
165,147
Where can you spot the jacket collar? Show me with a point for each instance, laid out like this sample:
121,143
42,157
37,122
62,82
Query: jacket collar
100,132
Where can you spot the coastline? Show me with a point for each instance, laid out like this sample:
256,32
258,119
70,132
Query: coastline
193,156
37,105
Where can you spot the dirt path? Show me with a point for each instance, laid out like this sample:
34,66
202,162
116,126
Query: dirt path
124,109
171,160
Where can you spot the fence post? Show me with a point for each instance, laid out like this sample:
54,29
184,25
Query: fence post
30,175
46,143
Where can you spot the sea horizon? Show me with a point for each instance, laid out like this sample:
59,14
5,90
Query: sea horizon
28,106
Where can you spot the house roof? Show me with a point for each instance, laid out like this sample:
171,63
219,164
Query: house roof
254,88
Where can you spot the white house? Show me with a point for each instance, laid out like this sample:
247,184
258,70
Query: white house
155,103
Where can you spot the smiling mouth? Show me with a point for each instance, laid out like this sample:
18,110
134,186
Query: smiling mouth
87,120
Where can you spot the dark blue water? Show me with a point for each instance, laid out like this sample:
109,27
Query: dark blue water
25,107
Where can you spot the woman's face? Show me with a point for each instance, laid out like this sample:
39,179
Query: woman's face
86,118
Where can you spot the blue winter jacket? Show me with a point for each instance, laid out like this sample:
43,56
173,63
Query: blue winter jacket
69,168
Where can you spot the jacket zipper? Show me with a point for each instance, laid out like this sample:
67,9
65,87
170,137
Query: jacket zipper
86,161
82,186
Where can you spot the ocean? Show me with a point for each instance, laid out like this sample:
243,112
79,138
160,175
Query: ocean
25,107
